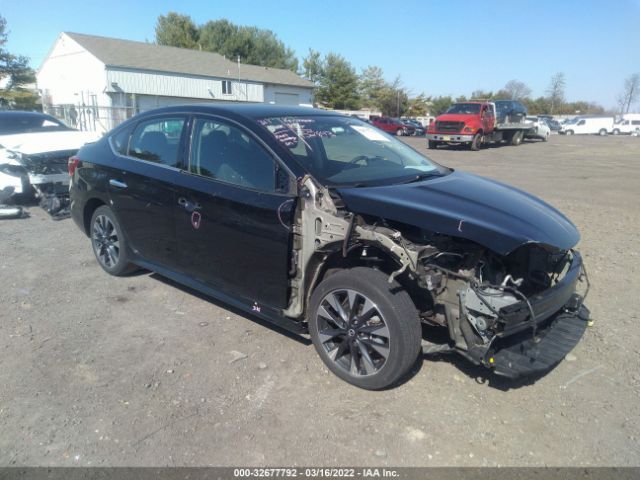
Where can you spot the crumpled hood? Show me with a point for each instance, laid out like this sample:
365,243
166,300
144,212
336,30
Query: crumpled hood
41,142
463,205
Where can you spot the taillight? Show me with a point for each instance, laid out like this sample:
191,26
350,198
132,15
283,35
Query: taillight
74,162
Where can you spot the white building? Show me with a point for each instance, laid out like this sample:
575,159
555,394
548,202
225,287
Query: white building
97,82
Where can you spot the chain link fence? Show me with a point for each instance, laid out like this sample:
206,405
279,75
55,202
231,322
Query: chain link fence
90,118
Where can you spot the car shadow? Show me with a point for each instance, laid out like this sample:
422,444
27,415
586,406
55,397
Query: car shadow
481,375
230,308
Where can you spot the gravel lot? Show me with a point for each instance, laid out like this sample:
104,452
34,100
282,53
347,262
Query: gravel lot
96,370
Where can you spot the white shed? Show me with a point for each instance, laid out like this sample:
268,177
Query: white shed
97,82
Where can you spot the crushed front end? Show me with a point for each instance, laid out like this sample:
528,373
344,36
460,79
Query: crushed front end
519,314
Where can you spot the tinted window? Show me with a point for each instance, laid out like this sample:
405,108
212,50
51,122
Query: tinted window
464,108
120,141
157,140
222,151
635,122
22,122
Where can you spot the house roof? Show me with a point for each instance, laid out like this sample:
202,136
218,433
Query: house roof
120,53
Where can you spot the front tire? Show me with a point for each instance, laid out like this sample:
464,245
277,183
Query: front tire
108,242
517,137
365,329
476,143
400,132
569,132
616,132
432,144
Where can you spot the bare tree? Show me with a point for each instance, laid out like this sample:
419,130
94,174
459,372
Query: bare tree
517,90
555,91
630,94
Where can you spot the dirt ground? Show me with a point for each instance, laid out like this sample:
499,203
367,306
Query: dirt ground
104,371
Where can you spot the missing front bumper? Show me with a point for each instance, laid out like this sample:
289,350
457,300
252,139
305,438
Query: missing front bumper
521,354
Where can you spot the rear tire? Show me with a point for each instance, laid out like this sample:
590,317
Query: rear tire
108,242
602,132
365,329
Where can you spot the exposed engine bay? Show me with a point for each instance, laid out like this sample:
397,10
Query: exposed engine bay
496,308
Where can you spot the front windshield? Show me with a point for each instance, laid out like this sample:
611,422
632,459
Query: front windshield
344,151
464,108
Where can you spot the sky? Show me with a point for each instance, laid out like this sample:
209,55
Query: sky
436,47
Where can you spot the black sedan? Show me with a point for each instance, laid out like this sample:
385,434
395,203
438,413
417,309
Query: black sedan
327,226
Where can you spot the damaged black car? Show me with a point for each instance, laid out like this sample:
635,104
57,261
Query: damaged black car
328,227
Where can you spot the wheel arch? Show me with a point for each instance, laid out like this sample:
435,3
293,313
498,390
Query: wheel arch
378,258
91,206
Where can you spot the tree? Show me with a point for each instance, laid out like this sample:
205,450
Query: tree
393,99
17,73
312,66
630,94
176,30
482,95
254,46
338,84
372,86
555,91
516,90
440,104
418,106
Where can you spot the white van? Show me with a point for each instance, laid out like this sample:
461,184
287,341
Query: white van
588,125
629,123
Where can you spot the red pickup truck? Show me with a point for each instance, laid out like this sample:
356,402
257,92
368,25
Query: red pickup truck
477,123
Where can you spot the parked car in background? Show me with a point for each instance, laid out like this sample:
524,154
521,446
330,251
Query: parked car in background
327,226
629,123
36,163
540,129
588,126
419,130
552,123
17,121
477,123
391,125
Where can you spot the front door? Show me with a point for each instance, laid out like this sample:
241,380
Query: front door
233,222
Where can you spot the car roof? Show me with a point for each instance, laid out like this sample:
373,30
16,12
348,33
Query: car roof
248,110
22,113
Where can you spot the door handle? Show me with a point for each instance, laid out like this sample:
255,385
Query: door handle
187,205
117,183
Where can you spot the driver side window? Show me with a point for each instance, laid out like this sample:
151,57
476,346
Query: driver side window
224,152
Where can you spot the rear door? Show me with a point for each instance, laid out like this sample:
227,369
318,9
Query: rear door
234,214
142,187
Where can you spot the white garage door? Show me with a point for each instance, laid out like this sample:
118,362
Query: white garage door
287,98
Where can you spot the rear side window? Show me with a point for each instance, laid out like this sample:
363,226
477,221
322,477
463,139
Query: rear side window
157,140
120,141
